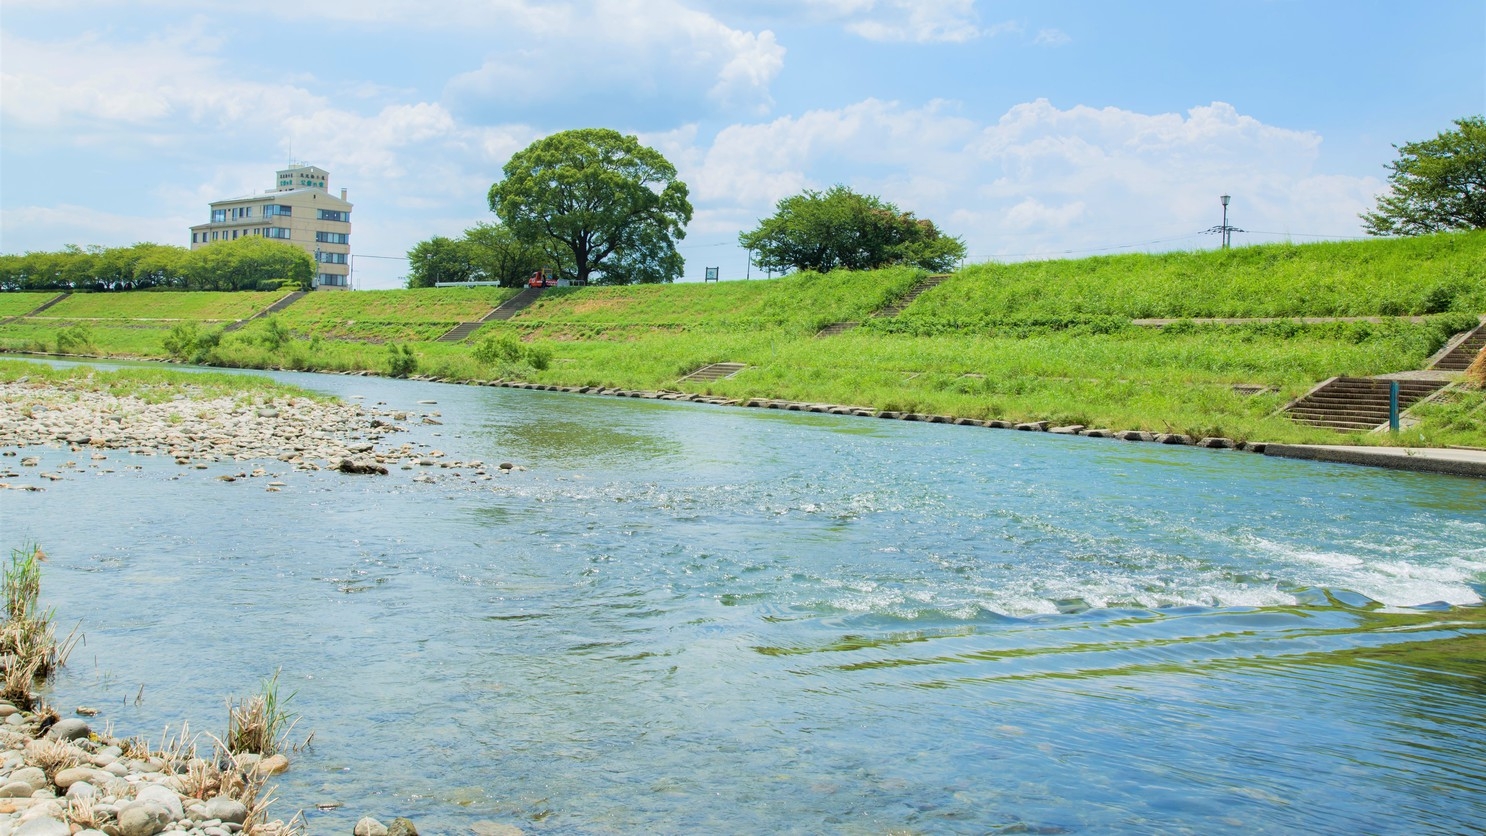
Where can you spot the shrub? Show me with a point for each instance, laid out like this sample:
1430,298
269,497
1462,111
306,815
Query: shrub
508,357
74,339
180,343
401,361
275,334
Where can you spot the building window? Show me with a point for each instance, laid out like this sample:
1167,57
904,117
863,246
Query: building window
219,216
278,232
332,238
333,215
330,279
331,258
273,209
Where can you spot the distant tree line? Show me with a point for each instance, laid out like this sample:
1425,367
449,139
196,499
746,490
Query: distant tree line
251,263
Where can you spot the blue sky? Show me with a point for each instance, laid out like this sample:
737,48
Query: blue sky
1031,129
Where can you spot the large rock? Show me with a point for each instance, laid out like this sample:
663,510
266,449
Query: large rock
163,796
273,765
69,729
32,776
369,826
43,826
65,778
16,789
145,819
226,809
402,827
361,465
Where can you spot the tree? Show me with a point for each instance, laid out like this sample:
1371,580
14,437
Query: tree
1435,185
439,259
607,203
497,255
839,228
249,263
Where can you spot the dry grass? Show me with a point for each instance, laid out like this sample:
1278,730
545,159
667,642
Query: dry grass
53,756
259,724
29,650
1476,374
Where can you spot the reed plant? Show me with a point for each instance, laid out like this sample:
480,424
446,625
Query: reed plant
29,649
260,724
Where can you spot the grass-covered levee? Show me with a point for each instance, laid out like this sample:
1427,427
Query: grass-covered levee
1054,340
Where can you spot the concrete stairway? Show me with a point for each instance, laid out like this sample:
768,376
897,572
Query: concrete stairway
716,371
47,304
507,309
270,310
459,332
918,290
515,305
1352,404
1458,358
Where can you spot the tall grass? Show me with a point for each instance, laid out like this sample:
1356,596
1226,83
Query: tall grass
28,641
260,724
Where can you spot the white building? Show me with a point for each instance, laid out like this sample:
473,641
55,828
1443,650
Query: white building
301,211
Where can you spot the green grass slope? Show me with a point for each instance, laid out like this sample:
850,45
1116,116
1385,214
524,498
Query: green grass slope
1380,277
198,306
15,304
1042,341
801,302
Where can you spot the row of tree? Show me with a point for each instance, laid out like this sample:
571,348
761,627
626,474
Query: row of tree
596,206
250,263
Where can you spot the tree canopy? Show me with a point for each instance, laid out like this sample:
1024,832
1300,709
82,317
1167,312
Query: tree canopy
250,263
839,228
604,207
484,253
1436,185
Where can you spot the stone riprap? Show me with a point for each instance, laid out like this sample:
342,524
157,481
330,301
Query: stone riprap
199,430
59,776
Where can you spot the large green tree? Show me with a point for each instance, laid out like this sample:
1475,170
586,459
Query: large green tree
1436,185
497,255
610,205
439,259
839,228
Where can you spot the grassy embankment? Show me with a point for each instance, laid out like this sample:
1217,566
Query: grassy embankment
1044,340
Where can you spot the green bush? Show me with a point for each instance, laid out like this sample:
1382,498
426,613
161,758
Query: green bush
75,339
401,361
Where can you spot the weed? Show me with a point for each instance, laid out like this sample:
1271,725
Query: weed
260,724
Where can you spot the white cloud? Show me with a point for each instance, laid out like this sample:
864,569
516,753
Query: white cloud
1051,37
918,21
79,81
623,61
1040,179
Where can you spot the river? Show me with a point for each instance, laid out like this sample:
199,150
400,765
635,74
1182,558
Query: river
693,619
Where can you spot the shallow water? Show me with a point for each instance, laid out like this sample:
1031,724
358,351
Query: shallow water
691,619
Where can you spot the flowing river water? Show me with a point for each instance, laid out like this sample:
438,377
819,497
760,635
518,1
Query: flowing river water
692,619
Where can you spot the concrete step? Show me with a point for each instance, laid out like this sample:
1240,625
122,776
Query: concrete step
716,371
459,332
516,304
270,310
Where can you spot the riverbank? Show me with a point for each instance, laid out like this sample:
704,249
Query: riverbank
198,421
987,343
